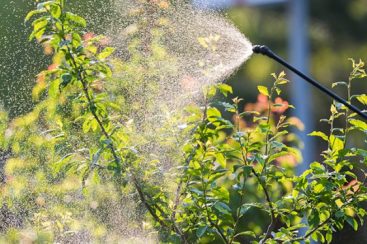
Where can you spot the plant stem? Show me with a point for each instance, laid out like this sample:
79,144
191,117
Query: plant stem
267,198
268,129
347,111
271,207
188,160
244,151
215,225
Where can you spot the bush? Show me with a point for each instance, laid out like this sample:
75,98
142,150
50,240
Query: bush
80,169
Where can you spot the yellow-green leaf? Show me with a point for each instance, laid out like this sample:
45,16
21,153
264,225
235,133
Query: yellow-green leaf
263,90
213,112
358,123
336,143
318,188
53,89
106,53
76,19
32,13
55,11
319,134
362,99
225,89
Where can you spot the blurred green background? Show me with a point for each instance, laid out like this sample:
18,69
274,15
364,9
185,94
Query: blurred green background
337,31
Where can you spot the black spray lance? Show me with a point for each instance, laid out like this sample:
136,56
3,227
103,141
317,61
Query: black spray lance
267,52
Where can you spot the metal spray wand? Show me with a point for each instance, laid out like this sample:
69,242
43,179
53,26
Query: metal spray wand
267,52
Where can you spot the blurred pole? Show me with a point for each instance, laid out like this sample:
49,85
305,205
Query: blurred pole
301,95
299,57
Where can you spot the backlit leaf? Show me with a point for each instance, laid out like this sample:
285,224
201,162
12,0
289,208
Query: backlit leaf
362,99
106,53
76,19
263,90
319,134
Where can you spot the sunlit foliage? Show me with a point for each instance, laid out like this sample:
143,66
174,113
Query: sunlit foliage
76,169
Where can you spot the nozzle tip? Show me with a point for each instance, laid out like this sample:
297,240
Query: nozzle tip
256,49
264,50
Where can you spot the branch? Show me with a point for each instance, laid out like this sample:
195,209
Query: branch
270,203
81,76
215,225
267,198
149,207
302,238
187,161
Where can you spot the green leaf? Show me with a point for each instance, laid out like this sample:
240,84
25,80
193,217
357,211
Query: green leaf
244,209
114,106
317,236
42,5
213,113
314,218
66,79
221,160
319,134
105,69
225,89
53,89
86,125
96,156
352,222
229,107
339,214
39,27
263,90
359,124
318,188
362,99
222,207
197,191
201,231
247,169
336,143
329,237
32,13
106,53
76,19
246,233
317,168
281,81
92,49
55,11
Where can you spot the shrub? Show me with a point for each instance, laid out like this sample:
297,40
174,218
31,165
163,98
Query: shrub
76,164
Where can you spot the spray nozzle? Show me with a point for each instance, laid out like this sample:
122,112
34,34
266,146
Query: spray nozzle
260,49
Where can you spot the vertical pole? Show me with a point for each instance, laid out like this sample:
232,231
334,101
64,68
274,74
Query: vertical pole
302,98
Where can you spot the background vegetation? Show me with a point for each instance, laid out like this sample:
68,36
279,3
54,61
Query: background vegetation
16,94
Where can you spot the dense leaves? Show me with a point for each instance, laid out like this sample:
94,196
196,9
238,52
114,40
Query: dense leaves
76,155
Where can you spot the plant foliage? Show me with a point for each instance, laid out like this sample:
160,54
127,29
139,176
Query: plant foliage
75,155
